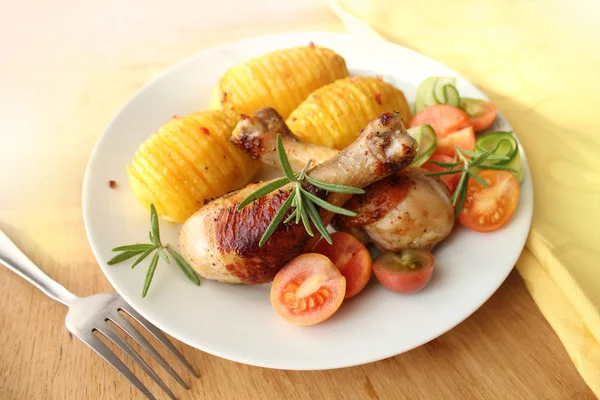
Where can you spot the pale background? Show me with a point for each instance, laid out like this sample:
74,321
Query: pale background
67,66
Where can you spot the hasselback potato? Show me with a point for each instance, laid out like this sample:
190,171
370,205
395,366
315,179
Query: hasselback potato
189,161
280,79
334,114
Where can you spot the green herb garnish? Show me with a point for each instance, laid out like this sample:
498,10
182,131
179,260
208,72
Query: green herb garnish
468,167
304,203
159,250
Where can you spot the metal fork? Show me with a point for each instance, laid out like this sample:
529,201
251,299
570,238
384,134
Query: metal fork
90,314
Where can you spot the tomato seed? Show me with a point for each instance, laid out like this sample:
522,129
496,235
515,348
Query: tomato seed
319,299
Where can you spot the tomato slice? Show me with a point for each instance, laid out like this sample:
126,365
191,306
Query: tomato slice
489,209
308,290
350,257
481,113
464,139
450,180
443,119
406,272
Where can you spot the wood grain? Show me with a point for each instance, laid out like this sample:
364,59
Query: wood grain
66,72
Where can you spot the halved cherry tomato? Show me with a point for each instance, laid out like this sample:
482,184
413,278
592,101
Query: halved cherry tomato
351,257
406,272
308,290
450,180
443,119
464,139
489,209
481,113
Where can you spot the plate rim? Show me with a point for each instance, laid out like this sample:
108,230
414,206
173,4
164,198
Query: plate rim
189,59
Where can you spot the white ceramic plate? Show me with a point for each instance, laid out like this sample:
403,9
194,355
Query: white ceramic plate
237,322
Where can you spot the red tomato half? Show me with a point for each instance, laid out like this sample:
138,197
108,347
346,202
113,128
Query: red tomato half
450,180
308,290
481,113
464,139
443,119
351,257
406,272
489,209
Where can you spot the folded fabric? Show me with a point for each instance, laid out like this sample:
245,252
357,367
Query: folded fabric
540,77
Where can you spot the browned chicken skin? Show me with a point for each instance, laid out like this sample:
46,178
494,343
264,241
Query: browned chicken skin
405,210
221,242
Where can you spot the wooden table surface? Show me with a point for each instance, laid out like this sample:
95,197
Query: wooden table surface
66,68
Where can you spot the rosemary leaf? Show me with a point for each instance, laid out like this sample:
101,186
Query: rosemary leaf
143,256
332,187
145,249
283,160
298,201
277,218
442,173
264,190
316,219
461,183
126,255
154,225
461,201
150,274
291,216
306,222
163,255
302,174
185,267
476,154
134,247
328,206
444,164
478,178
499,168
480,159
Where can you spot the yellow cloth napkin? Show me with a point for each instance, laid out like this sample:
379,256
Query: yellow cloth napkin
536,61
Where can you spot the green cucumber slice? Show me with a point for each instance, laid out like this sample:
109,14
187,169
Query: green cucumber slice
451,96
427,142
505,145
441,88
424,88
437,90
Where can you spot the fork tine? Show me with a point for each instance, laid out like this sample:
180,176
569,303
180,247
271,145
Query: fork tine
99,347
157,334
124,324
114,337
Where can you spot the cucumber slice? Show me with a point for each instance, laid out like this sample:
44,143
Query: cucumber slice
437,90
441,88
451,95
427,142
505,145
424,88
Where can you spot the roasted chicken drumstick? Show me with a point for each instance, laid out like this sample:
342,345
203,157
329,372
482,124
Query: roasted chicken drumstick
221,242
405,210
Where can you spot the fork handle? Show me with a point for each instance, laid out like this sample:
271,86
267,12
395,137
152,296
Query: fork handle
15,260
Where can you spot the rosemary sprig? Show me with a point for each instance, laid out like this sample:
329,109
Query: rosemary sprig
159,250
467,163
302,201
